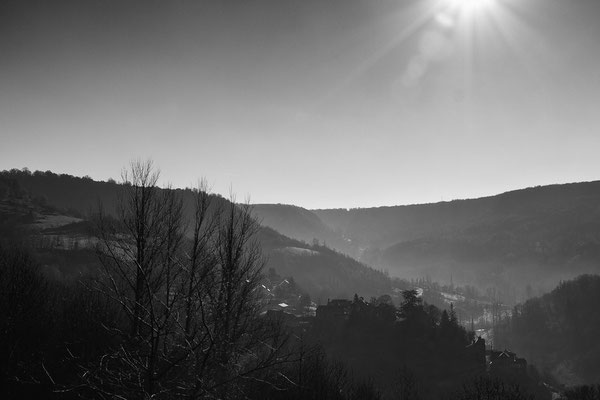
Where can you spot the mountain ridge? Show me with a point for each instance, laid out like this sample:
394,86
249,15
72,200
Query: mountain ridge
518,242
326,274
532,236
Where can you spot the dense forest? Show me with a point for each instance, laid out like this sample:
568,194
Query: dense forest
559,331
67,340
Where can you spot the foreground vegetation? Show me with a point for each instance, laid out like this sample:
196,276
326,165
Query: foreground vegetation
559,331
173,309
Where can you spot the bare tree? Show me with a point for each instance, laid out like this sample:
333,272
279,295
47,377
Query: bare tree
190,322
232,343
139,252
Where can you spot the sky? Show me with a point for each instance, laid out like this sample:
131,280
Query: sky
318,103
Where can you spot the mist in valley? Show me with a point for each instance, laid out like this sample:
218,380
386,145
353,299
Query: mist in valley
340,199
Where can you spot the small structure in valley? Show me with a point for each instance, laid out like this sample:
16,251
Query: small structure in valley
335,310
503,362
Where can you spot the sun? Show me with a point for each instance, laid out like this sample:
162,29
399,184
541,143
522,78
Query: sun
468,6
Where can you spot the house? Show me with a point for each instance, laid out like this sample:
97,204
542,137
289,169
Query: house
335,310
475,354
504,362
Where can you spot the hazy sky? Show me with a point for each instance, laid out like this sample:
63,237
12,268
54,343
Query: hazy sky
319,103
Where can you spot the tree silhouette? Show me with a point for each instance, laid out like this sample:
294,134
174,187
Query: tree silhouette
189,321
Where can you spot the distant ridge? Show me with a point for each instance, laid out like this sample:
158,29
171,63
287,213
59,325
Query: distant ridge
534,236
515,243
511,191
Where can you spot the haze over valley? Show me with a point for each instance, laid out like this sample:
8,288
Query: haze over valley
300,199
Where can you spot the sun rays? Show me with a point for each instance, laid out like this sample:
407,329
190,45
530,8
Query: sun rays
456,38
469,6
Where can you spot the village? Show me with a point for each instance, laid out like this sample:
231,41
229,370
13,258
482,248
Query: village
283,301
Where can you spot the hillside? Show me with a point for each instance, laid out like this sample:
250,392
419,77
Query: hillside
319,270
535,236
519,243
322,272
386,226
302,224
559,331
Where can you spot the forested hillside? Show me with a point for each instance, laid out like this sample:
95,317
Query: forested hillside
302,224
319,270
559,331
518,243
323,272
533,238
385,226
